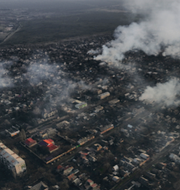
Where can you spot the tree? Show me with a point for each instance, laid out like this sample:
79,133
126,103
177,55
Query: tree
22,135
64,184
107,167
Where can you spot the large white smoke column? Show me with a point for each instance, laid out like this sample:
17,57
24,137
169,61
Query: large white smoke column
164,94
160,28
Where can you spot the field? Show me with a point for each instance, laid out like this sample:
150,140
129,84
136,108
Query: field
63,27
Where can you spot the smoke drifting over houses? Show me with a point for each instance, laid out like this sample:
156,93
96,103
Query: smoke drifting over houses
165,94
59,86
158,30
39,71
5,80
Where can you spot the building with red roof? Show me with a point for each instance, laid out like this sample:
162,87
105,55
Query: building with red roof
88,183
94,186
49,145
52,147
71,177
30,142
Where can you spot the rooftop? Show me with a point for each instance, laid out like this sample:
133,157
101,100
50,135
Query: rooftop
9,155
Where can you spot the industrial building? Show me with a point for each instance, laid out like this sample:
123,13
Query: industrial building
12,161
13,131
49,145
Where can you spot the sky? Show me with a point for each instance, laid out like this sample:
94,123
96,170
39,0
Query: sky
50,4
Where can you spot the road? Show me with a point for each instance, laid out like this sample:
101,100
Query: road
11,34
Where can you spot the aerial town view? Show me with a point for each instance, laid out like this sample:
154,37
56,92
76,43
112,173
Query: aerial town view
89,95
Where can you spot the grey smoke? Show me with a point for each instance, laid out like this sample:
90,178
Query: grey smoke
163,94
94,52
59,87
5,80
159,28
82,85
37,72
62,94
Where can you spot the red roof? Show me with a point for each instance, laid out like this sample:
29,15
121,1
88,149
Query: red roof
70,176
59,167
66,167
48,141
94,185
90,181
29,141
84,153
52,147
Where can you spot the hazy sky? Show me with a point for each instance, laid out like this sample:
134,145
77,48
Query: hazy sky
49,4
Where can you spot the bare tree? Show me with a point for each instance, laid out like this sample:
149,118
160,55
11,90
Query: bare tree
64,184
22,135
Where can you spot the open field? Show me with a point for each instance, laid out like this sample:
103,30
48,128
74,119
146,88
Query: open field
63,27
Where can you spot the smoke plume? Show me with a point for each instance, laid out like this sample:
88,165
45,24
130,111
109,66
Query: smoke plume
163,94
157,31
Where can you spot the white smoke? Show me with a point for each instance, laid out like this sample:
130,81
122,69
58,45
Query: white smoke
94,52
82,85
163,93
59,87
37,72
159,29
5,80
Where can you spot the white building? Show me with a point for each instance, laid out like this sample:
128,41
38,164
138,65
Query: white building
12,161
13,131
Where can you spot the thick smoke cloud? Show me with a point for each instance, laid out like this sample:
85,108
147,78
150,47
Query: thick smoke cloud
163,94
158,30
